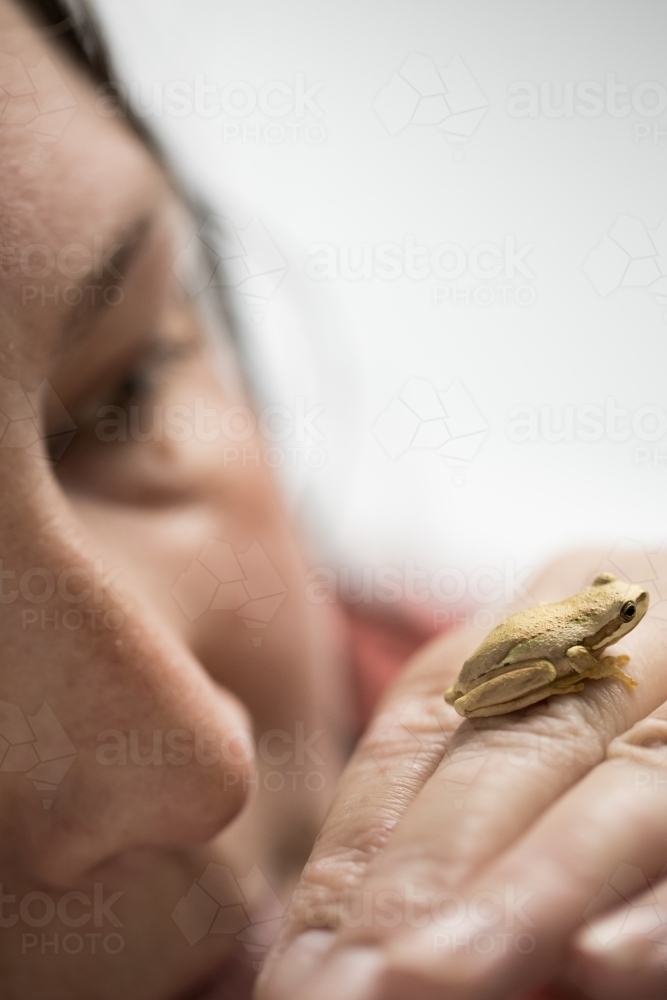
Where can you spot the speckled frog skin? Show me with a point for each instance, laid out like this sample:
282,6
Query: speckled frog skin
550,649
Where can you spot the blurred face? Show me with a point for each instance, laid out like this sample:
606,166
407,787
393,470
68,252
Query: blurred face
170,718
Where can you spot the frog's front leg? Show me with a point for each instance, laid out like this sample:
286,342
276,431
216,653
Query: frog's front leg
589,667
530,682
614,664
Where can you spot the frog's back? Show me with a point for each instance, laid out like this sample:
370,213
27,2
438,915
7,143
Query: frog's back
542,619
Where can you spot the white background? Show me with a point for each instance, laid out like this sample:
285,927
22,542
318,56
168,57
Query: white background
558,183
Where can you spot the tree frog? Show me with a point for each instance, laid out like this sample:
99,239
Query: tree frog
550,649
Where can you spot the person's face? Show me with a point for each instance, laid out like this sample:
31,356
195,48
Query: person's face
152,599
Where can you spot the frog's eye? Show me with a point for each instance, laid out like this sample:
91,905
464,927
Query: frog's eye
628,611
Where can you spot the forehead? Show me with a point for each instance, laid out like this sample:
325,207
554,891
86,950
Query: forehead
75,178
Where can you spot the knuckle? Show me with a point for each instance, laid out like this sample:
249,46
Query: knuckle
414,891
328,879
565,734
408,892
314,905
645,743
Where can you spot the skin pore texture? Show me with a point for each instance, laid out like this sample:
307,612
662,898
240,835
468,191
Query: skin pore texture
150,816
116,523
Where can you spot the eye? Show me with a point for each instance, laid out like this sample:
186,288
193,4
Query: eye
628,611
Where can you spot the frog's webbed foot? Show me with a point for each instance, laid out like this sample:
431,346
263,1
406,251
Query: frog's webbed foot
588,666
613,664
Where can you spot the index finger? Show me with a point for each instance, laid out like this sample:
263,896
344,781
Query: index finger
402,747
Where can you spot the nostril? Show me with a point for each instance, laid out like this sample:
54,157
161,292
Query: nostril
133,808
166,768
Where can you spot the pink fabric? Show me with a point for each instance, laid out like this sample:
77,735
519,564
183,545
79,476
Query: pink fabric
381,639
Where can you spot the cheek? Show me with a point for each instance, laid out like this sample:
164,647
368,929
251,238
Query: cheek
229,580
198,531
113,675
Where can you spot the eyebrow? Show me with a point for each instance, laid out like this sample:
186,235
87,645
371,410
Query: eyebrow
108,271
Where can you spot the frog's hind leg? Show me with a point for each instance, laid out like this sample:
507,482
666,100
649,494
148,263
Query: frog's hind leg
567,685
509,691
589,667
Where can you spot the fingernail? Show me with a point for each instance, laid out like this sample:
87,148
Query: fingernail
604,941
295,965
352,973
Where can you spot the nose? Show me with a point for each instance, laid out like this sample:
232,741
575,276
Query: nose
118,737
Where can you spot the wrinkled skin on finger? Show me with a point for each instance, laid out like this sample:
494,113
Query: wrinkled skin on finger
500,831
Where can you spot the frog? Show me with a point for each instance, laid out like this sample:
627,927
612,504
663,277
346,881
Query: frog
550,649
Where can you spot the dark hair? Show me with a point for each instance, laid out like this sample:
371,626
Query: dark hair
75,27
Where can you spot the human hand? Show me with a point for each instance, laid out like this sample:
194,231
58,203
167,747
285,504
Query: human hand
481,859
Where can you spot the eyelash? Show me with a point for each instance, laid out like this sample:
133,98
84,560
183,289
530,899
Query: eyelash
143,383
138,387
